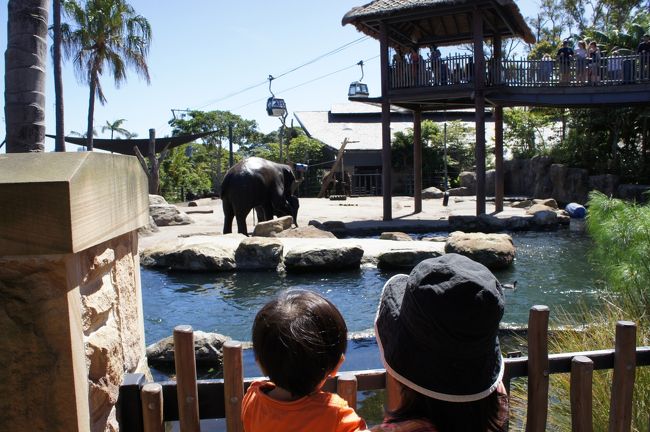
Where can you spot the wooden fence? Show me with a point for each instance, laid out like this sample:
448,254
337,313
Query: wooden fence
146,406
459,70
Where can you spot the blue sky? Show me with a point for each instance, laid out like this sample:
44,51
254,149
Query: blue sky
203,51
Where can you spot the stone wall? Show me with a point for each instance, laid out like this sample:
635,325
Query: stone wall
70,302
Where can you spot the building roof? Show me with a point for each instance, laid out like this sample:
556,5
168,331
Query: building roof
417,23
362,123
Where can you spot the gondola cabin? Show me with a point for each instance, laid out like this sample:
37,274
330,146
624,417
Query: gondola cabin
275,107
358,89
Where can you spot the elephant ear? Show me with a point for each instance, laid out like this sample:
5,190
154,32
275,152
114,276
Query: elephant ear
289,180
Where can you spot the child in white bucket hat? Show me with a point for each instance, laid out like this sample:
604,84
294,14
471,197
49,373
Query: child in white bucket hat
437,331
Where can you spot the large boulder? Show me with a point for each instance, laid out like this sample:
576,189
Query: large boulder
337,228
569,184
536,208
633,192
182,256
545,219
395,236
467,180
258,253
495,251
165,214
404,259
432,193
308,231
548,202
323,258
528,177
482,223
272,227
460,191
605,183
208,349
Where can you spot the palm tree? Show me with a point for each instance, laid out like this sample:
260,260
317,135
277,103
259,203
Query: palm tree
59,143
105,35
25,75
116,128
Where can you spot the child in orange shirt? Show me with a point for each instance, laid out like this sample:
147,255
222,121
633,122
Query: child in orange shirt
299,340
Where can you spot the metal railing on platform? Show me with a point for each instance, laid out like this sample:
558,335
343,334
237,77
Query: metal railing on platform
147,406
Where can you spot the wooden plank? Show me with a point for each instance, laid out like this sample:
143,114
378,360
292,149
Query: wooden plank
620,408
538,369
346,387
129,414
152,408
393,393
581,394
188,406
233,380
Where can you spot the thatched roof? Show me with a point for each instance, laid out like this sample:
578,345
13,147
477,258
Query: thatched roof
125,146
418,23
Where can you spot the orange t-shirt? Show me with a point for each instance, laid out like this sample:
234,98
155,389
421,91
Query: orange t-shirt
319,411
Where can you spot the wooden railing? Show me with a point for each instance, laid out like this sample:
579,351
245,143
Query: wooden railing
458,70
146,406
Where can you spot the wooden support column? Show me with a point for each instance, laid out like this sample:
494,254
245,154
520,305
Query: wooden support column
417,161
498,130
479,103
386,178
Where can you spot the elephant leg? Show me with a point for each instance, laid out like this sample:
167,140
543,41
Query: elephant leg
261,216
241,222
228,215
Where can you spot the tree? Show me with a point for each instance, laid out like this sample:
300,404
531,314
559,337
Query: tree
25,61
116,128
59,142
105,35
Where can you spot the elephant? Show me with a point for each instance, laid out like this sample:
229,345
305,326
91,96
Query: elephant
256,183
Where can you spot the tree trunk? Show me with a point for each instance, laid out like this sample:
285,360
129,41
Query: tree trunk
25,61
91,113
59,143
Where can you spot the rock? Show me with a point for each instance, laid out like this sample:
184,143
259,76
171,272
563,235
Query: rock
605,183
569,184
545,219
468,181
521,204
335,227
309,231
395,235
404,259
323,258
189,257
272,227
157,200
436,239
432,193
482,223
460,191
208,349
150,228
258,253
548,202
495,251
168,214
519,223
633,192
536,208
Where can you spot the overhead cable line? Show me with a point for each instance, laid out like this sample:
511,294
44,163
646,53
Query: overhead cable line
314,60
305,83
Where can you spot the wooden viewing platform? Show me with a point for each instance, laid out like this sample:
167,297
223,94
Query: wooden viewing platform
146,406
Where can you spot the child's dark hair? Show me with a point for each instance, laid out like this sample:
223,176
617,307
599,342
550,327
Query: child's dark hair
298,340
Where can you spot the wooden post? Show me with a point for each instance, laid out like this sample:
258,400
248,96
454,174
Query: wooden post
538,371
386,166
417,161
393,393
188,396
152,408
620,408
346,387
582,369
479,104
233,385
498,159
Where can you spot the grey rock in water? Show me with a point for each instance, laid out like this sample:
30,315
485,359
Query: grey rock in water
545,219
395,235
323,258
258,253
272,227
208,349
495,251
199,257
404,259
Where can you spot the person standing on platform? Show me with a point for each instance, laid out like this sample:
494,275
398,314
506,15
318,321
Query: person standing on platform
565,58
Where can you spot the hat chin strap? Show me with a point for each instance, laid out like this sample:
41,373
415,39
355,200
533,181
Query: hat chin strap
436,395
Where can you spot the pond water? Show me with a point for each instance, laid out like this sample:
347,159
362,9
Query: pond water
550,268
